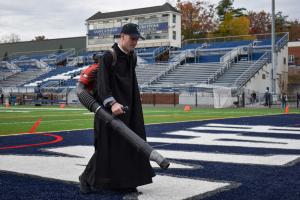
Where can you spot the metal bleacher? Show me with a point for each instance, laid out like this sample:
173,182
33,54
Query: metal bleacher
240,72
194,63
189,73
19,78
145,73
58,75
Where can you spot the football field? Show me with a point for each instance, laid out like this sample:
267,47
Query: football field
20,119
228,154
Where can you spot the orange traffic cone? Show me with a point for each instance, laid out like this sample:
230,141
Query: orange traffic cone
286,111
187,108
62,105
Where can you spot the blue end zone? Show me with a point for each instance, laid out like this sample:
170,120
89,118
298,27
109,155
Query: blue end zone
251,181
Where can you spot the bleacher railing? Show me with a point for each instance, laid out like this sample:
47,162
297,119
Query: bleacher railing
229,56
282,41
160,50
225,62
159,75
7,70
232,38
10,66
252,70
152,55
58,57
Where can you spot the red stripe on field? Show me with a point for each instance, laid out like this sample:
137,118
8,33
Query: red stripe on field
32,131
57,139
34,127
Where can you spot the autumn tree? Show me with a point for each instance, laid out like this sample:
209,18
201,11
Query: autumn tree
197,18
260,22
234,25
294,30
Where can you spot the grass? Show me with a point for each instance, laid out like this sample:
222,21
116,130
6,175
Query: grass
20,119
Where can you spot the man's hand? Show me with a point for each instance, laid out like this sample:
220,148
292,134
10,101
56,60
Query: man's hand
117,109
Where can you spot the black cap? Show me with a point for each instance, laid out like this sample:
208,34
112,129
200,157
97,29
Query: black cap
132,30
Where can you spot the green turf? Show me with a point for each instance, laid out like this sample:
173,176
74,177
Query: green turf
20,119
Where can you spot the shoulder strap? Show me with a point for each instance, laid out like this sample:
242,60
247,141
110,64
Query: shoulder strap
135,57
114,55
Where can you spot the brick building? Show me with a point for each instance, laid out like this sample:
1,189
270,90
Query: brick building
294,53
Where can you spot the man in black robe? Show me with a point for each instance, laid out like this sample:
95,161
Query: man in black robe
115,164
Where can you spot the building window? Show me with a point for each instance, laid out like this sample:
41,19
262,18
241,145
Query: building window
174,35
291,58
174,19
263,76
284,60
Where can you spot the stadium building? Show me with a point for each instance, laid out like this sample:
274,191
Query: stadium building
219,72
160,25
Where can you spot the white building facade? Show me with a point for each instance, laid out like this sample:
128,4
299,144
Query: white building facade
159,25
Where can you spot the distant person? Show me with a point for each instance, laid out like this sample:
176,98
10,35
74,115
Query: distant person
298,99
2,98
253,97
267,98
284,99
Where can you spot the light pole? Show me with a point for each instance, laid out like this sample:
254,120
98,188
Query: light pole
274,59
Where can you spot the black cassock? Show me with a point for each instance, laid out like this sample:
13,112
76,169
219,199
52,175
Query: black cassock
115,163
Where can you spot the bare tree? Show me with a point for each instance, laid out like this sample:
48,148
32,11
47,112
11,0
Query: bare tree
10,38
260,22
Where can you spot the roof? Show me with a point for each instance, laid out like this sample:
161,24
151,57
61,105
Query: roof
138,11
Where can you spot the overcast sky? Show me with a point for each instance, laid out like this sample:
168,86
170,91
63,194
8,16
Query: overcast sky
57,18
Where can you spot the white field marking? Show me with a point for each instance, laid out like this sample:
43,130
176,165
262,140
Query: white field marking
216,118
270,160
159,115
247,128
220,139
69,168
15,111
89,113
177,188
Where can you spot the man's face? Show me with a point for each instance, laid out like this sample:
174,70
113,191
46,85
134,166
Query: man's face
128,43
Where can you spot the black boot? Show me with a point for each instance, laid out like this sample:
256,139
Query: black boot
84,186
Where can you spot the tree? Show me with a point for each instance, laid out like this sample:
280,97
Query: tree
197,18
280,22
234,25
260,22
294,30
240,26
226,6
10,38
39,38
225,26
